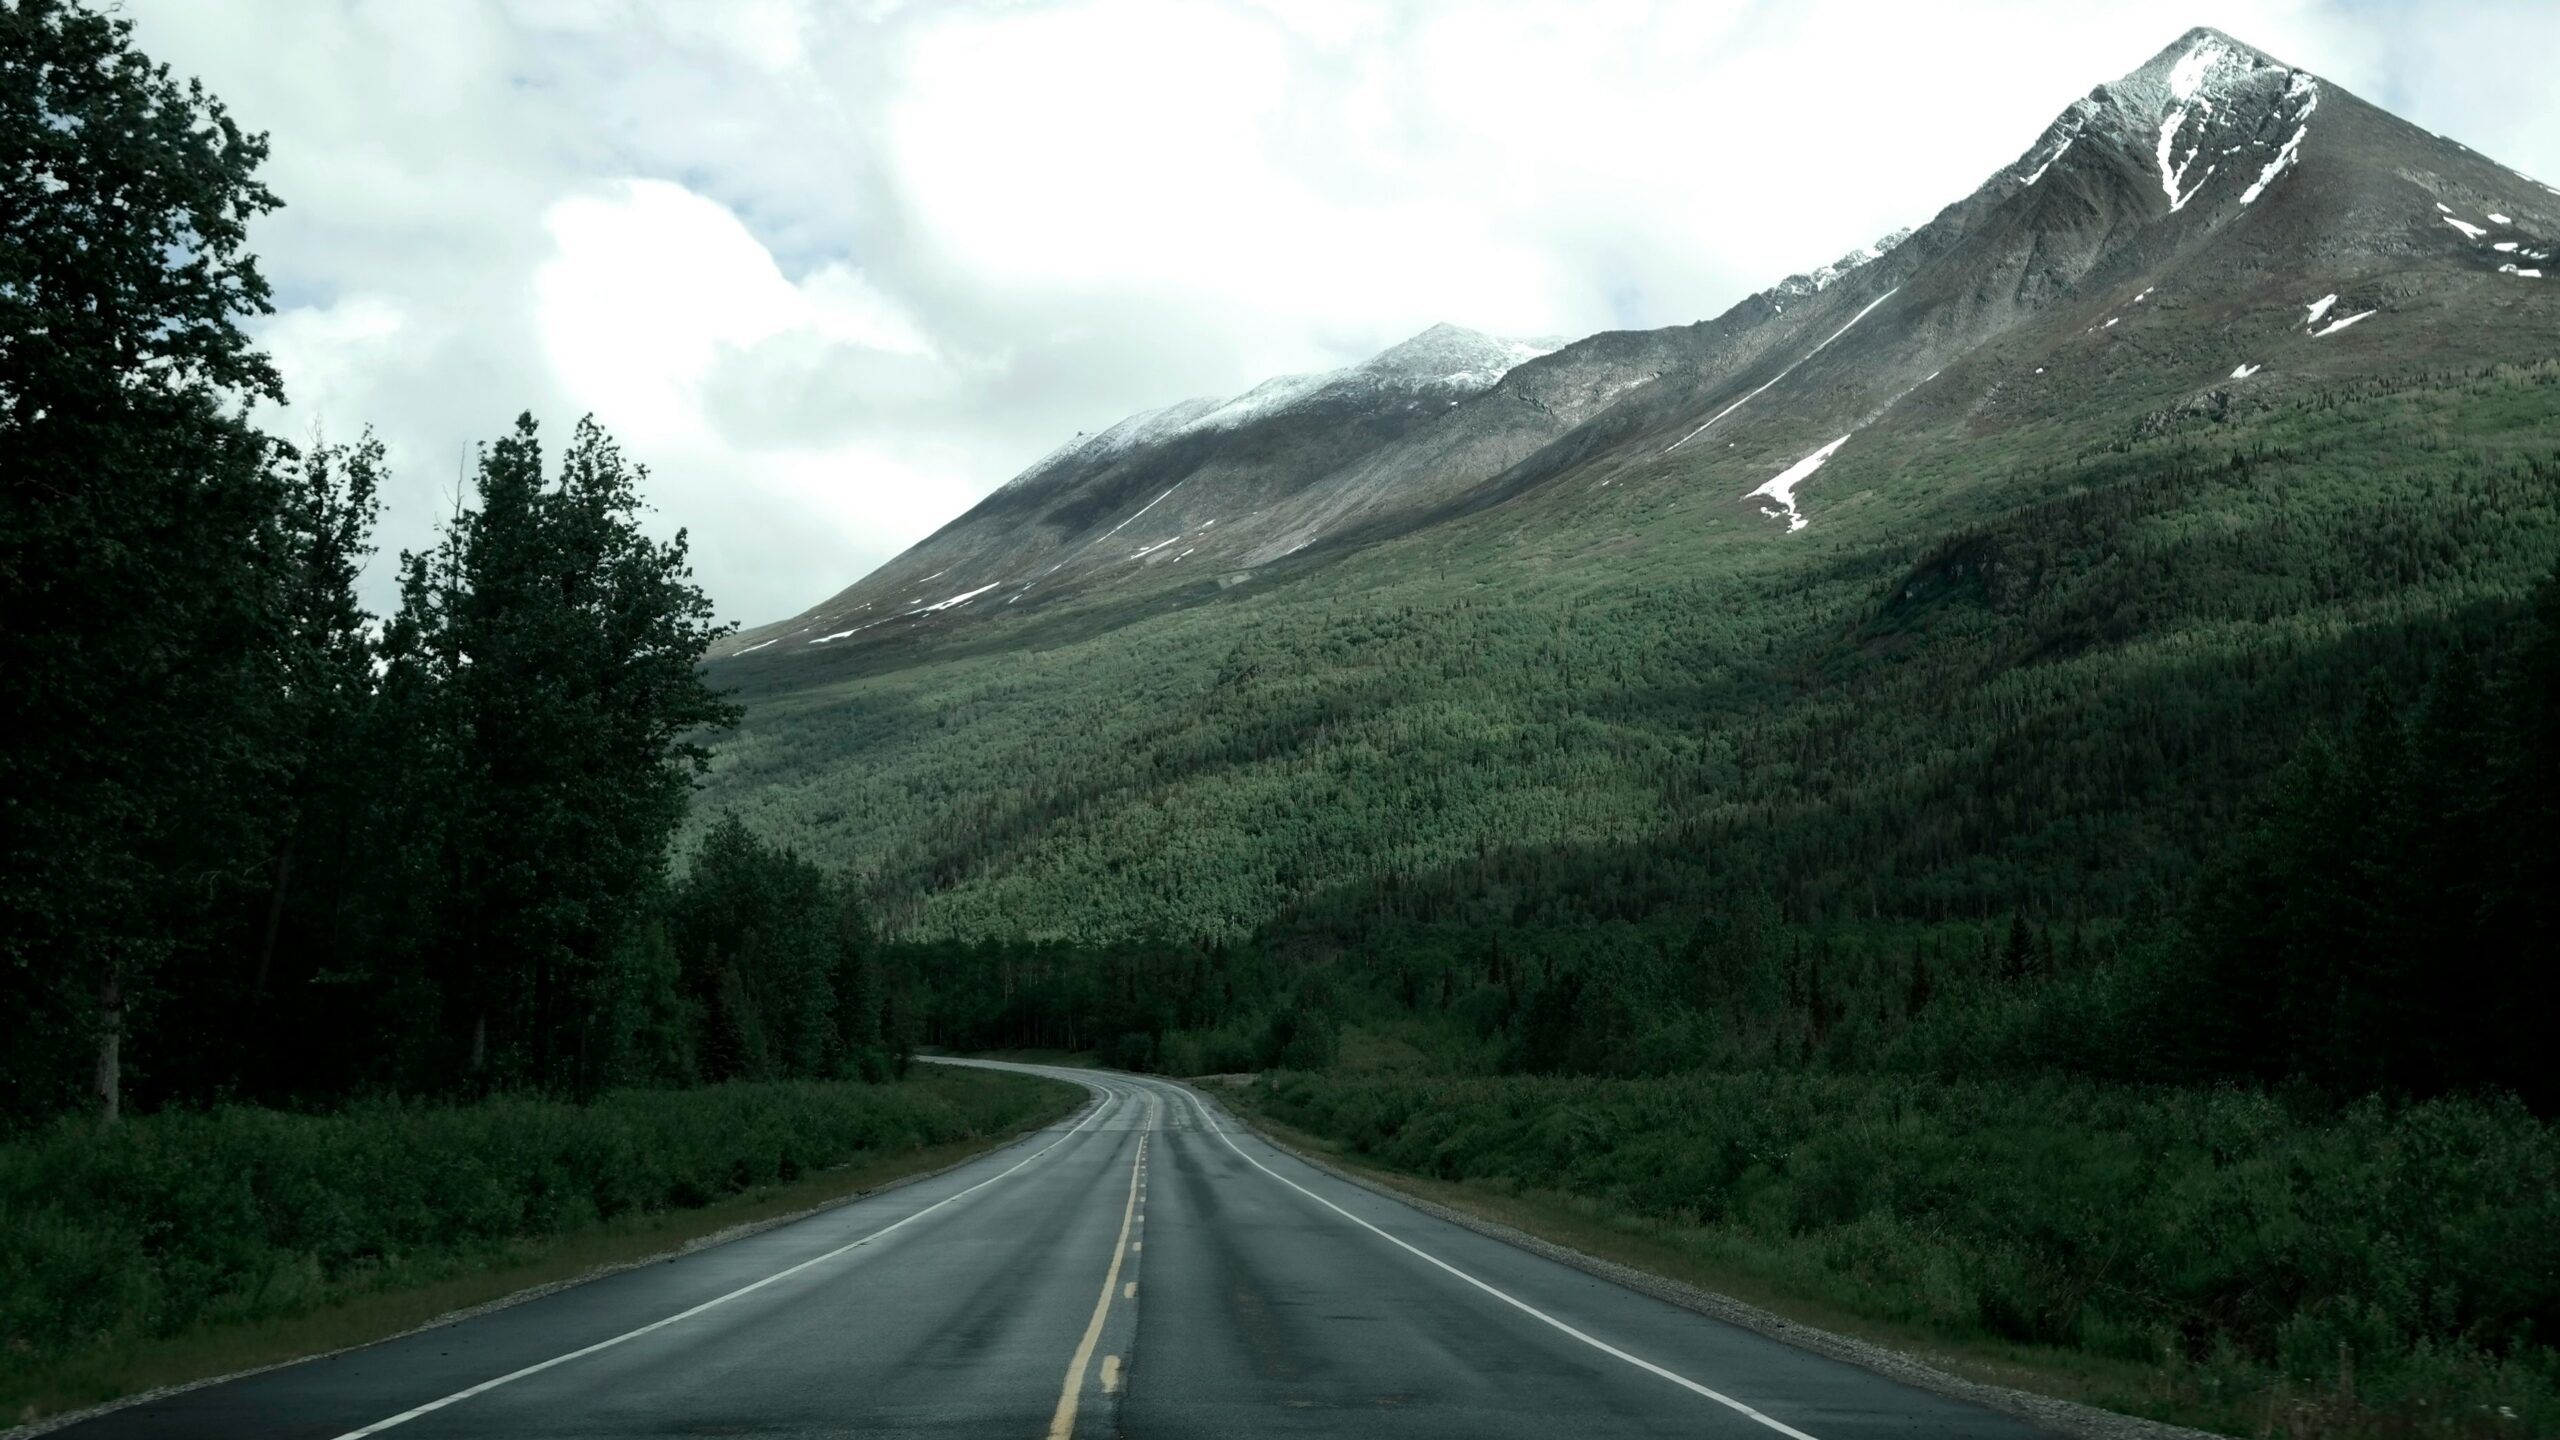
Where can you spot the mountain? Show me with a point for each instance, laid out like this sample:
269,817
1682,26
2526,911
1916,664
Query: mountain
1419,622
1101,503
2190,229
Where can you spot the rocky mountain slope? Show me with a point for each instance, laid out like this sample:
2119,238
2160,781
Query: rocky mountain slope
2214,228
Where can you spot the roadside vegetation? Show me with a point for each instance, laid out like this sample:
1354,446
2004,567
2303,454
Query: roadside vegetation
2257,1263
190,1242
2275,1157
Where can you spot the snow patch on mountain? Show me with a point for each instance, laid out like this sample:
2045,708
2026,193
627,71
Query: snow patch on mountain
2058,152
960,599
2172,175
2276,167
1143,509
2334,326
2187,78
2318,308
1271,396
2465,226
1443,358
1782,486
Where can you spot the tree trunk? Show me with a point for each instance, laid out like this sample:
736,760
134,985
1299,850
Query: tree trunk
109,1084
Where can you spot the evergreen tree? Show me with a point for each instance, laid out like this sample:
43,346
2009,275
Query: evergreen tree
326,659
2018,956
136,521
556,648
2522,901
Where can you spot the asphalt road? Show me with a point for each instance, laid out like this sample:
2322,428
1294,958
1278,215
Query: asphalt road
1146,1268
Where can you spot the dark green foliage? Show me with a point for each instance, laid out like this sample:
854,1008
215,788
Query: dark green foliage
138,538
2375,925
777,969
245,847
2236,1245
1625,707
549,649
173,1220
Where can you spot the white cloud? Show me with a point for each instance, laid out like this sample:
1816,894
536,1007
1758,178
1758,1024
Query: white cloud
835,270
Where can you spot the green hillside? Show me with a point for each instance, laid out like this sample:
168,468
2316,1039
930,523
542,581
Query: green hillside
2034,670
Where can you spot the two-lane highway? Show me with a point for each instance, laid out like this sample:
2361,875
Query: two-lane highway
1146,1268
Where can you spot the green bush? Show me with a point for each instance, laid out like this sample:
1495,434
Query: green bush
2380,1269
160,1223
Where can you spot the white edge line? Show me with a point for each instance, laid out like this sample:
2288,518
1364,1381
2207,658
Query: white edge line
1514,1302
405,1416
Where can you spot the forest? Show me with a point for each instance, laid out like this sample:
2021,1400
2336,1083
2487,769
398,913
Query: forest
346,975
2347,932
261,845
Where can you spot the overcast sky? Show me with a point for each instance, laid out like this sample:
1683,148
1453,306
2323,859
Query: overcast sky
836,268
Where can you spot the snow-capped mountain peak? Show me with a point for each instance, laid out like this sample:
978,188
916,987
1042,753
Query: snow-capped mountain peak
2157,246
1821,277
1453,354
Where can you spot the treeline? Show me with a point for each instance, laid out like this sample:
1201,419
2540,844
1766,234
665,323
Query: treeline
2378,918
1186,1008
259,844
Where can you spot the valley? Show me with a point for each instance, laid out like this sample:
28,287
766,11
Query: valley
1968,846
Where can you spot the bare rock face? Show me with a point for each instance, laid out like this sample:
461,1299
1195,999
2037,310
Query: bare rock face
2183,241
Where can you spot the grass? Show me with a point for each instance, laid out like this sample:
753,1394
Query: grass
258,1319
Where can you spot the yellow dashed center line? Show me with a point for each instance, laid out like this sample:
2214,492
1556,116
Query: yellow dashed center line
1062,1425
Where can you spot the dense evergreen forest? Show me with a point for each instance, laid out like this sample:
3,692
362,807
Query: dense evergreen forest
258,844
1969,832
2381,917
1951,788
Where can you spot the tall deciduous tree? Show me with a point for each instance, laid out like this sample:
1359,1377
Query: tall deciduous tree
135,531
547,659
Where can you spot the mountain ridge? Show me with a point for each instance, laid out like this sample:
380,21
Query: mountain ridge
2138,179
1863,590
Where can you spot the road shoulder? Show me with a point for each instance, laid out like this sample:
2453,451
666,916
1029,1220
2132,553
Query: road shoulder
2064,1417
577,1261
